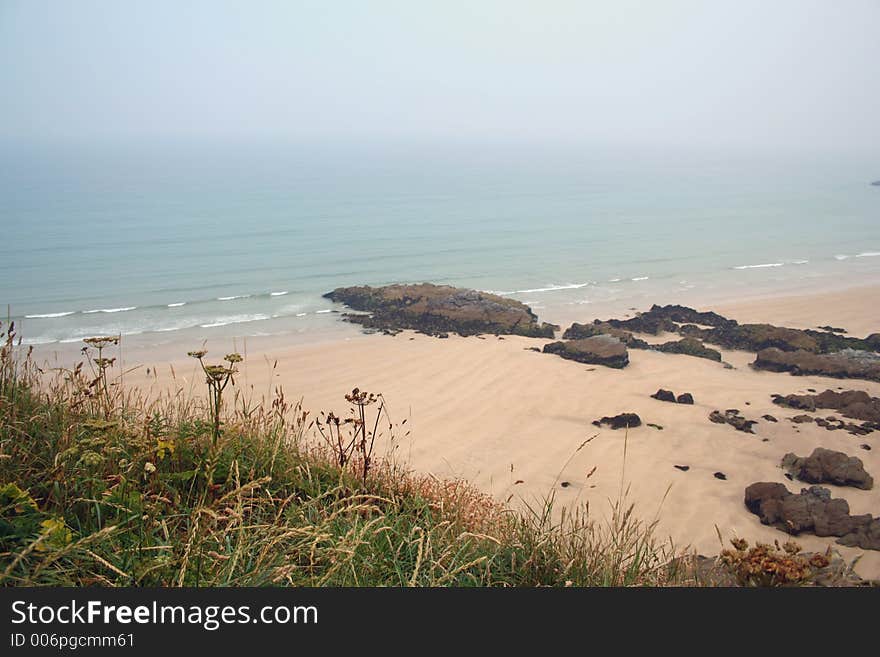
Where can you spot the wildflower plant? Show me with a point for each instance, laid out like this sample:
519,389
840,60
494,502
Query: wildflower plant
217,377
771,565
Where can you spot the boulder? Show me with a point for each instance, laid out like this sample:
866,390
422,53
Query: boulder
621,421
597,350
825,466
438,309
685,398
664,395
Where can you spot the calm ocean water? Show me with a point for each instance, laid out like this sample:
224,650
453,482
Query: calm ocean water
243,239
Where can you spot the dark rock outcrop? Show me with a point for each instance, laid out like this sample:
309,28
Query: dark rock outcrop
438,309
580,331
813,510
622,421
664,395
685,398
855,404
728,333
597,350
732,417
689,347
825,466
846,364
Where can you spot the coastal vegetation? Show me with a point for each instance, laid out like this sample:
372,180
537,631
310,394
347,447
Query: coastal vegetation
103,485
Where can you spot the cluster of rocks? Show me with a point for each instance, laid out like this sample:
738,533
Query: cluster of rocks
826,466
730,334
604,350
732,417
669,396
621,421
854,404
687,346
439,309
813,510
825,352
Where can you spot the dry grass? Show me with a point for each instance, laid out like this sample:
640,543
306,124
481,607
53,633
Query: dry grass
104,485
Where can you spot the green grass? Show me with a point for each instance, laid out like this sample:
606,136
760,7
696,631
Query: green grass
102,485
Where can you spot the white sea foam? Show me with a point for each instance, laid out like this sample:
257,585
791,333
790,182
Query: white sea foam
301,314
38,340
550,288
234,319
177,305
841,257
109,310
868,254
278,294
639,278
614,280
800,262
321,312
49,315
761,266
234,296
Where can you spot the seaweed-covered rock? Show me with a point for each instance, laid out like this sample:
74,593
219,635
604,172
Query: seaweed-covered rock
664,395
825,466
728,333
689,347
580,331
437,309
813,510
621,421
846,364
597,350
685,315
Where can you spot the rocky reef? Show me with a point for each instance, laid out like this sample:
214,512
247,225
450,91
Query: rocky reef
853,404
826,351
439,309
826,466
845,364
596,350
813,511
687,346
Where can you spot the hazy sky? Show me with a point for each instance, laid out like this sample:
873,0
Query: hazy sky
744,72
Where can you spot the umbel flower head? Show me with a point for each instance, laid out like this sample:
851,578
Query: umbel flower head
218,372
360,398
198,355
102,341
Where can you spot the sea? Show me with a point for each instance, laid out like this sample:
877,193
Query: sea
183,240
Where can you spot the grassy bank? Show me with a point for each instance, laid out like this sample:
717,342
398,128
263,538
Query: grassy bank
100,485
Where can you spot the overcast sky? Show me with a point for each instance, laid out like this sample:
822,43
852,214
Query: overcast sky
783,72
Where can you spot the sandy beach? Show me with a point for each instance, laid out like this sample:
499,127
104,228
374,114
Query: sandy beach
494,412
